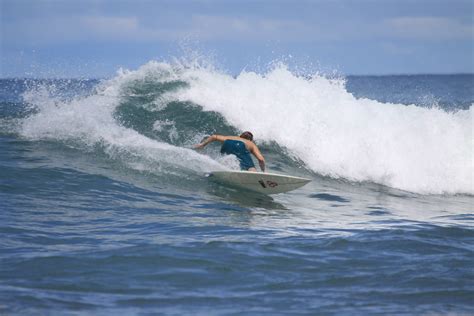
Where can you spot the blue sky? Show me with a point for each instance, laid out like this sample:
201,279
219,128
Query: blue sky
75,38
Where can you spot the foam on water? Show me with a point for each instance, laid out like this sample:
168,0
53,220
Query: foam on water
419,149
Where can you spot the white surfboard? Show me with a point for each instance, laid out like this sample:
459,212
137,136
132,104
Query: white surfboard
267,183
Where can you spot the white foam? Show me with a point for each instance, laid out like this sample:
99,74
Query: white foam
424,150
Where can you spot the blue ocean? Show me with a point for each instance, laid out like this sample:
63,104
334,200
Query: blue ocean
105,208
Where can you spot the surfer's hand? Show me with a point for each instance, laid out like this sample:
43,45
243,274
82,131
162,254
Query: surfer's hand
206,140
262,165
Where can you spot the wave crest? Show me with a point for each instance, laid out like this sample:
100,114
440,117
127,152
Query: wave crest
165,106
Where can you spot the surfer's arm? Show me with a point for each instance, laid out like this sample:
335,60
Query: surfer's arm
210,139
261,160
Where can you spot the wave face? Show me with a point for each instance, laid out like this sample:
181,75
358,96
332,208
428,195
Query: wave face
150,117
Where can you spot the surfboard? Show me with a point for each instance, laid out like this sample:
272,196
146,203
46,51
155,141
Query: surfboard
267,183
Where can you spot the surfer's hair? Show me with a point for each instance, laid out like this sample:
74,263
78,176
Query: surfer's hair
247,135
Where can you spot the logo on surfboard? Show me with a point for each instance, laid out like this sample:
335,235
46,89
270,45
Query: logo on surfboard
271,184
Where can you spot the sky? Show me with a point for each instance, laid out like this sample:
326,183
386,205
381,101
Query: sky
95,38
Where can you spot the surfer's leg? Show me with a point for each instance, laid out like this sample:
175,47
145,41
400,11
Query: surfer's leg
247,165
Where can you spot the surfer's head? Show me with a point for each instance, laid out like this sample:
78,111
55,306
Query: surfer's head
247,135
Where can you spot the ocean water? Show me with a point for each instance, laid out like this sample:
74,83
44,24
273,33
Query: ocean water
105,209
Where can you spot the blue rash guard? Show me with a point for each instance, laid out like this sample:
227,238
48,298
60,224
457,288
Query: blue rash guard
237,148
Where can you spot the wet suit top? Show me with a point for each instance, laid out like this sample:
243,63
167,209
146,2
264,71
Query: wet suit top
237,148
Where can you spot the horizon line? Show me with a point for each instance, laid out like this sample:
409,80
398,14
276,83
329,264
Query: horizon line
343,75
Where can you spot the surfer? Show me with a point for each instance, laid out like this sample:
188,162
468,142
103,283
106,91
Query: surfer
240,146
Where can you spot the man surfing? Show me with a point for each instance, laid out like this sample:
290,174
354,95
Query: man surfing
240,146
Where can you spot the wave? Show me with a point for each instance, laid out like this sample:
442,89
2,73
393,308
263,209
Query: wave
155,113
91,123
